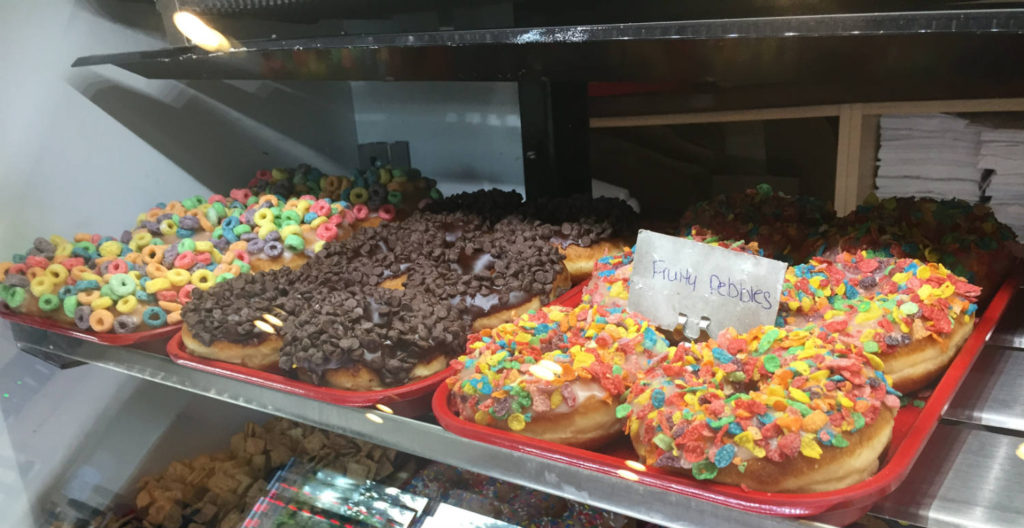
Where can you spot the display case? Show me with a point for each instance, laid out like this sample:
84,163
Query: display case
121,113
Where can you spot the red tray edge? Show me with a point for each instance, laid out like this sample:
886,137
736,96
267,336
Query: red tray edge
859,496
111,339
176,351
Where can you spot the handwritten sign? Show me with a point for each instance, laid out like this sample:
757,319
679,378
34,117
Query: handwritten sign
676,279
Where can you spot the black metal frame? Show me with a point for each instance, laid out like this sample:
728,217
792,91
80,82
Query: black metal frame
556,142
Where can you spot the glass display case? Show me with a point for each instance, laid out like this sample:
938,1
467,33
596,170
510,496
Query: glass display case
118,111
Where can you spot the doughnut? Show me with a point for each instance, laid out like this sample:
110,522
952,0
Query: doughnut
198,242
384,307
777,410
966,238
108,277
584,229
787,228
557,374
375,188
913,315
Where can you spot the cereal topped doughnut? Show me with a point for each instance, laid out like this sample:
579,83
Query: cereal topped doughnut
102,284
369,338
387,305
267,231
914,315
384,192
966,238
788,228
780,410
557,374
583,228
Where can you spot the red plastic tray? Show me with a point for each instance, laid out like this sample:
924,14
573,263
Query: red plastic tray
412,399
912,430
107,339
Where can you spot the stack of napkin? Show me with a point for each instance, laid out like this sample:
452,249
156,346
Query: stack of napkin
932,155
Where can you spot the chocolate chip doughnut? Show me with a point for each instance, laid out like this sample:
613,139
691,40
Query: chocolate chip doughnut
584,229
383,307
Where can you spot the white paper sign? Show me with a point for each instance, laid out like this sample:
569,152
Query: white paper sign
675,278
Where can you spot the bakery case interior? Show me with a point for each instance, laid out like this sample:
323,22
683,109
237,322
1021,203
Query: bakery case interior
406,263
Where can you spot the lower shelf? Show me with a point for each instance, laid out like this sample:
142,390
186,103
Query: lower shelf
963,453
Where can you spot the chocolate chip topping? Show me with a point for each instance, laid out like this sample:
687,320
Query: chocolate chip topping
335,314
580,220
583,220
226,311
491,205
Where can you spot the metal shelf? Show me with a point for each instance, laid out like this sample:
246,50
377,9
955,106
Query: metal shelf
943,488
898,47
411,436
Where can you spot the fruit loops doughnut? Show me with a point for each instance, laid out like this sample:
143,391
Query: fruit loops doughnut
557,374
258,231
778,410
912,315
102,284
386,192
787,228
384,307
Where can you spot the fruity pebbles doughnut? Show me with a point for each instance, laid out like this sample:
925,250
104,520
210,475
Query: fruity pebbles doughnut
778,410
966,238
787,228
557,374
913,316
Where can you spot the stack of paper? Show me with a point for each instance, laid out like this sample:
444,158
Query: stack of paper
1002,150
932,155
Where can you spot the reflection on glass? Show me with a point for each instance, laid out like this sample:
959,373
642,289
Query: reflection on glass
448,516
199,32
628,475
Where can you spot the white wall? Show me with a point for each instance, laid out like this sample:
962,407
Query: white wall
465,135
88,149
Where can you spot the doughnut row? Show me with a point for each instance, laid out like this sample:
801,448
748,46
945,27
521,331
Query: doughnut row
965,238
141,279
804,406
384,307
